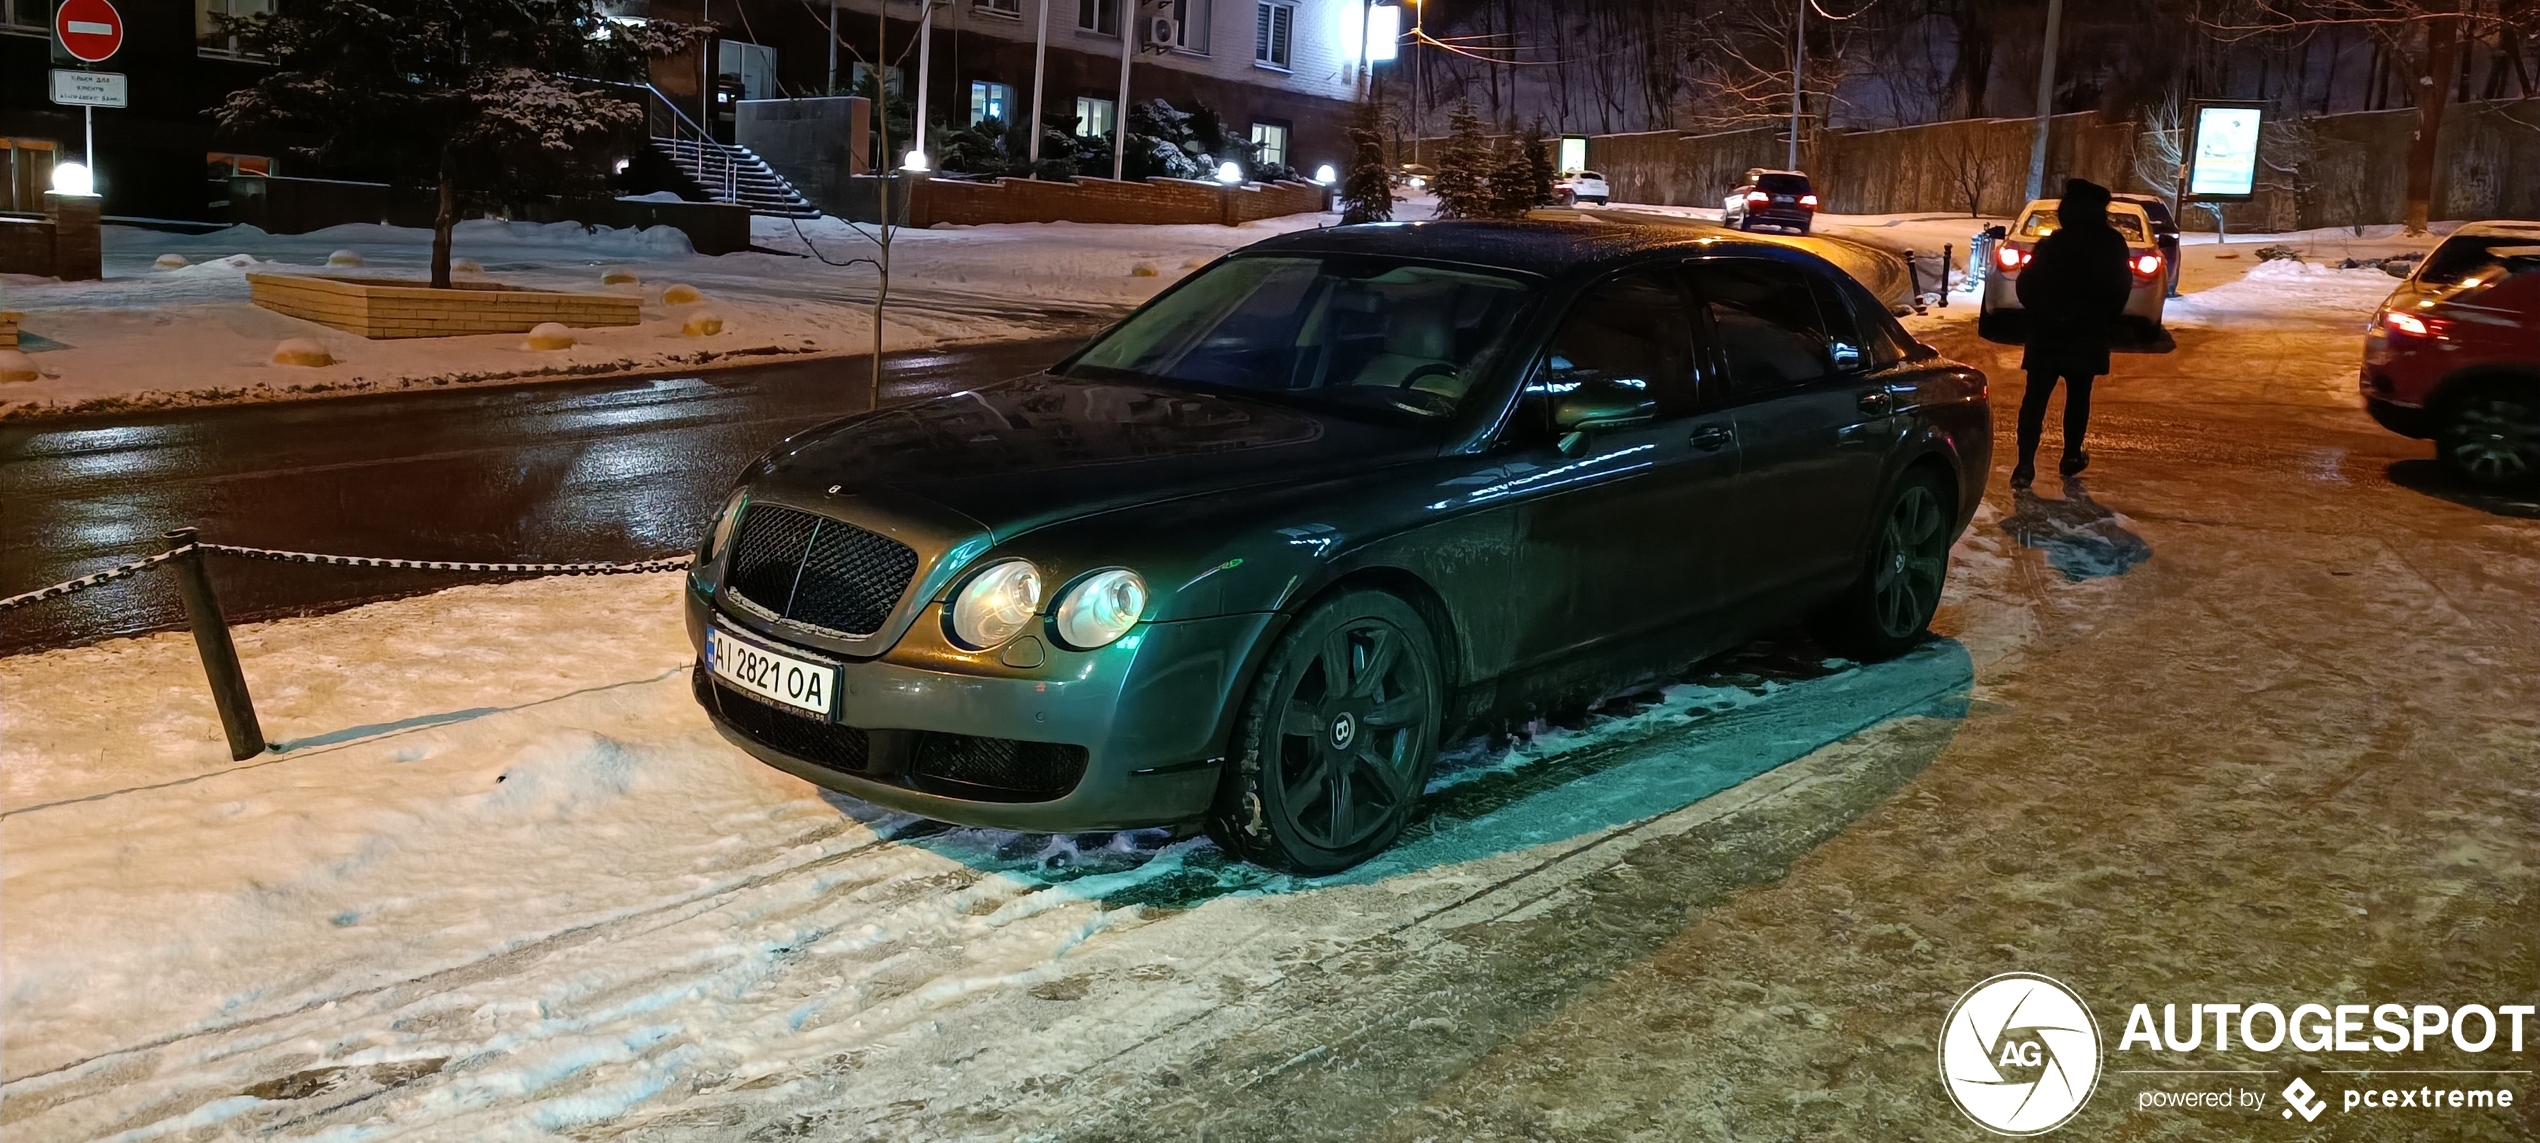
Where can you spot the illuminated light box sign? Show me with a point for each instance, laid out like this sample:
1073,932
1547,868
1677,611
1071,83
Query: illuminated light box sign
2226,160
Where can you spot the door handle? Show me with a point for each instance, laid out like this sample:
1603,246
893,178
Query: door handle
1710,438
1878,403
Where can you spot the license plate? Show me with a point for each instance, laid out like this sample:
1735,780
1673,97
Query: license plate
804,684
1784,198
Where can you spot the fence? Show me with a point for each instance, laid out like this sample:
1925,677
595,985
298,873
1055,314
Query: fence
2321,170
184,555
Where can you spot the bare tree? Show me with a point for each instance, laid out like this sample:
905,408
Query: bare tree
1974,170
2422,38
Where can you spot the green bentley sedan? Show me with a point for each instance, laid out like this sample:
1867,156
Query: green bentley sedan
1249,556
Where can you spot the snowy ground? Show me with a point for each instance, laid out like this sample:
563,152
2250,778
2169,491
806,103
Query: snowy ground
2247,715
147,335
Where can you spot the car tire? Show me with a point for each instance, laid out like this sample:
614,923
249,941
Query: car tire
1337,737
2489,434
1888,610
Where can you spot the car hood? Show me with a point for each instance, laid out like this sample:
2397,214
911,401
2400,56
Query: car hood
1037,450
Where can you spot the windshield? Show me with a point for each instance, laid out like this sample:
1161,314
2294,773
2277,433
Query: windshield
2041,223
1361,332
2485,256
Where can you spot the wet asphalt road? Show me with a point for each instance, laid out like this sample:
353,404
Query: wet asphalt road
557,471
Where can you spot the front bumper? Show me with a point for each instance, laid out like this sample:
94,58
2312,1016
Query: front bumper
1146,710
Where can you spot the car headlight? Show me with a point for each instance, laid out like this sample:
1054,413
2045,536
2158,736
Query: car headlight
1101,607
997,604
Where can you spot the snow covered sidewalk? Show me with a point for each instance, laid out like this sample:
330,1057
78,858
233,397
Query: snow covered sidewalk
152,334
504,880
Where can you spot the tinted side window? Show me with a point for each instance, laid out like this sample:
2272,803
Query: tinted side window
1632,333
1765,319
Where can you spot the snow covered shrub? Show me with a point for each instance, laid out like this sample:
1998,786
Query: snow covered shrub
491,102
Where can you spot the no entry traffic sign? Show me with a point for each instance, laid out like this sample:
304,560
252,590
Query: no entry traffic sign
90,30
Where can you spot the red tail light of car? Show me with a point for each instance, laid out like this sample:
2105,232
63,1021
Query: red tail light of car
1758,196
2010,257
2410,325
1809,201
2147,266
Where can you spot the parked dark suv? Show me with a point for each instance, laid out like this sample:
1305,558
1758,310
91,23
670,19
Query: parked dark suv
1252,554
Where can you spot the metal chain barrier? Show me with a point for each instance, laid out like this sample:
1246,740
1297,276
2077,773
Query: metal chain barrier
211,628
661,565
83,583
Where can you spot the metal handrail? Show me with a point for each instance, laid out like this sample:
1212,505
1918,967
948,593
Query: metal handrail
696,167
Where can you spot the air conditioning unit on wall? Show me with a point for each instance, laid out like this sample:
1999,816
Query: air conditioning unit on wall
1161,32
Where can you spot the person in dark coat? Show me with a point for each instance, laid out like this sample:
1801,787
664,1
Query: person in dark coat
2074,291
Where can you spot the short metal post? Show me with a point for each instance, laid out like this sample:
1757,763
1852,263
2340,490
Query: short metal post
220,656
1947,257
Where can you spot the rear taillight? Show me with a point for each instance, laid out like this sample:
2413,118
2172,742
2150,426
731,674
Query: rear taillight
2147,265
2009,257
1758,196
1809,201
2411,325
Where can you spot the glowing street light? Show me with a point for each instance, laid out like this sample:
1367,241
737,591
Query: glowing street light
1325,176
914,163
73,179
1230,174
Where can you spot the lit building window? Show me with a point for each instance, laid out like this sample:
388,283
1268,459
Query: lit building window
1270,141
1094,117
991,101
1274,30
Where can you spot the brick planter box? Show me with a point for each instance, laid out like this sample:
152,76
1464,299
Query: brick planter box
387,307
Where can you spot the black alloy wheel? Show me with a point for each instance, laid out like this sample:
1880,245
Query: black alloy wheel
1337,738
1888,610
2490,436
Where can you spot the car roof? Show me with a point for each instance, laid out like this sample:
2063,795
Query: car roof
2515,228
1547,248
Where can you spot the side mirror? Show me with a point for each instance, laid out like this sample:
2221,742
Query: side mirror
1595,405
1997,232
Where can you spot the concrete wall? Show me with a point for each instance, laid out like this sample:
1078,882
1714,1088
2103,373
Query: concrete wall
2332,170
297,206
817,144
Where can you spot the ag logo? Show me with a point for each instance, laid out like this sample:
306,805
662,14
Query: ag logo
2020,1054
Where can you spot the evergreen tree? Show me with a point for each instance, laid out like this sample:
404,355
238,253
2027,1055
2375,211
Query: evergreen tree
1464,171
1543,165
489,101
1512,177
1367,191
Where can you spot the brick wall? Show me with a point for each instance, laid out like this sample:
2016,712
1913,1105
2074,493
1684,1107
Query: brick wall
26,246
1154,202
377,308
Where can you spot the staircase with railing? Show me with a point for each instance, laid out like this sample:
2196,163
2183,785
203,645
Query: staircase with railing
723,171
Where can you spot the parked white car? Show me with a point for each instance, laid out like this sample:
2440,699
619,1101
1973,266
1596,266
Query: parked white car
1575,187
1999,318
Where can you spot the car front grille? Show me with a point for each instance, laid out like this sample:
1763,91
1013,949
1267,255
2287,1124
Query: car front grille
994,769
812,740
818,572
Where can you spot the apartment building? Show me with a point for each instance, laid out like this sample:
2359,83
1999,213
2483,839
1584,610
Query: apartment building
1284,71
